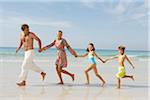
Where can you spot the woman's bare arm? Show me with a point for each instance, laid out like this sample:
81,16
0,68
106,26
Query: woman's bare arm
49,46
70,49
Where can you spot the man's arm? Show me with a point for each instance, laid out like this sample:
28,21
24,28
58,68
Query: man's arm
129,62
37,39
20,45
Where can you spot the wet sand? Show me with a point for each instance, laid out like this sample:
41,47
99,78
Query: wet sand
39,90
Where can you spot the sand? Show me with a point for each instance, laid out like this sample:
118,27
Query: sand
49,90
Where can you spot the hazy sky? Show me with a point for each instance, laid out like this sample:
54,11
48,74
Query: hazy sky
106,23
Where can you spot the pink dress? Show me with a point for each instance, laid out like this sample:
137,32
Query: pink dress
61,60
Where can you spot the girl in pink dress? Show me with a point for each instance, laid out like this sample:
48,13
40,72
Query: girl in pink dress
61,61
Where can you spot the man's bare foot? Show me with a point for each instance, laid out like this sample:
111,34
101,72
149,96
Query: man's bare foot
87,83
60,83
132,78
23,83
72,77
43,75
103,84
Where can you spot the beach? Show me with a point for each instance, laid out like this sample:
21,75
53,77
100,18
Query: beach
107,27
36,89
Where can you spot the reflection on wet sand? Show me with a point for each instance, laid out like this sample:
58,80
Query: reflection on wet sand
66,91
26,94
75,91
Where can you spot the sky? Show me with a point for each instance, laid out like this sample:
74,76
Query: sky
106,23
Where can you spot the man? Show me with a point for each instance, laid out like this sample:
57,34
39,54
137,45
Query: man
27,39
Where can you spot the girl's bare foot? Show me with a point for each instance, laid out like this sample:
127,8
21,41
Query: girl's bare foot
23,83
132,78
43,75
103,84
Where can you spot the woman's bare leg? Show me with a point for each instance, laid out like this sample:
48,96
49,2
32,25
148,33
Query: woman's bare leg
67,73
96,73
59,74
86,73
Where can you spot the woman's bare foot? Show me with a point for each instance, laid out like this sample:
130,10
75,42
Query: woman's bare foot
43,75
23,83
60,83
87,83
72,77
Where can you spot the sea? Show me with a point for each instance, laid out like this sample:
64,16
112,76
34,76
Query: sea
8,54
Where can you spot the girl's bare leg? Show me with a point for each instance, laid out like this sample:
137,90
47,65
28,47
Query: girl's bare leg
86,73
67,73
127,76
118,85
59,74
96,73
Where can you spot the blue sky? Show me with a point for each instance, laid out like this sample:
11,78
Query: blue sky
106,23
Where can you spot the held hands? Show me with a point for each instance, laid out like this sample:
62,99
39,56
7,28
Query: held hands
104,61
40,50
75,55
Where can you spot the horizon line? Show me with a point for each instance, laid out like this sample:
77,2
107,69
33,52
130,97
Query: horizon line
83,49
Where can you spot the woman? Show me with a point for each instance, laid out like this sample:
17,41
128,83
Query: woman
61,61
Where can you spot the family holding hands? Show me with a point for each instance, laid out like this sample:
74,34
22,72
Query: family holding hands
60,43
